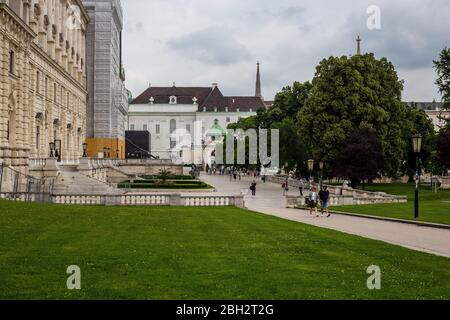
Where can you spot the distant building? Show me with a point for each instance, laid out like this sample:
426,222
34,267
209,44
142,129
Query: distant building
107,110
435,111
204,111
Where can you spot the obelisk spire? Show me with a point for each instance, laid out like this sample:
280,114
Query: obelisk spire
258,92
358,45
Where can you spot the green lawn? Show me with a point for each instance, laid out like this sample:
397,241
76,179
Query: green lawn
433,207
199,253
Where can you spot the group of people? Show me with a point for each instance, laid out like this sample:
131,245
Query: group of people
314,198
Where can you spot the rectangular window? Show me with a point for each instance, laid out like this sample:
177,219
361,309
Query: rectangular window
158,129
68,100
38,137
38,83
54,92
46,87
188,128
228,119
173,143
11,62
131,127
144,127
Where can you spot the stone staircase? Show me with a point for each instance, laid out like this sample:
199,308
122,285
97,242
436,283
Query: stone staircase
70,181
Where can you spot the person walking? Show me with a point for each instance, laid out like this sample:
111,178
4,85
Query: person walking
312,201
324,196
301,187
253,188
285,187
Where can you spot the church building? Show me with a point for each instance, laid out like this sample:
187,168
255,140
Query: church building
196,110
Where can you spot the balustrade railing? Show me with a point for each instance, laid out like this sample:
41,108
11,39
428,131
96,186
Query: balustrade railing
131,199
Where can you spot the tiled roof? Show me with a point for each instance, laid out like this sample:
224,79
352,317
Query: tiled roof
208,98
184,94
427,105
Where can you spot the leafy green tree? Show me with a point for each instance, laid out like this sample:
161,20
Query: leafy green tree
282,116
442,67
443,148
416,121
354,92
291,99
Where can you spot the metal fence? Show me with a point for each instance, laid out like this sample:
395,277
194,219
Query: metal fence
13,182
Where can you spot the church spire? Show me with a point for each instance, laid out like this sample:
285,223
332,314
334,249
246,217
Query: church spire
258,92
358,45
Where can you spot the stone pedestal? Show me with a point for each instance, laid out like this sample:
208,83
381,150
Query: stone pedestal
50,169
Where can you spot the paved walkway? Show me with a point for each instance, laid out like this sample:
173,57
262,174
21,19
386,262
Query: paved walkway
269,200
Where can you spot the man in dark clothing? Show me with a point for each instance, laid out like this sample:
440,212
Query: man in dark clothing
324,197
253,188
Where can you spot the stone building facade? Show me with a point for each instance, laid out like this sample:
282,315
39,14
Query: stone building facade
108,99
43,80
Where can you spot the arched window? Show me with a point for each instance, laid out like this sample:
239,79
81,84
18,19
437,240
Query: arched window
216,121
173,125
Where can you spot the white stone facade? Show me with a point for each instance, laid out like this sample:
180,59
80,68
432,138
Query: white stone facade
194,110
43,79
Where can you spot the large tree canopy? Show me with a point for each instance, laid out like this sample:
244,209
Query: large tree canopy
354,92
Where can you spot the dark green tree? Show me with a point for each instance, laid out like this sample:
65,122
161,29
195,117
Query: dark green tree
443,148
442,67
416,121
354,92
291,99
361,158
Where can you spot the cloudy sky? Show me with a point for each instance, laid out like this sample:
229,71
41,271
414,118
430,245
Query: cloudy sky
198,42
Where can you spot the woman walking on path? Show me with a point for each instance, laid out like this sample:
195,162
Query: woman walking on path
312,201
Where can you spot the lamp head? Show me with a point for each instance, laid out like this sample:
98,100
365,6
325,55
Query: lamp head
417,143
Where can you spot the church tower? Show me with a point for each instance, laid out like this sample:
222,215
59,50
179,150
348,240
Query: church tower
258,82
358,45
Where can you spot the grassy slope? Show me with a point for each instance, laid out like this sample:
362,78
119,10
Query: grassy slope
433,207
199,253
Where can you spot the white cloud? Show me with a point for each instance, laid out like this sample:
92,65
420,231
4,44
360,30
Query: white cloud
197,42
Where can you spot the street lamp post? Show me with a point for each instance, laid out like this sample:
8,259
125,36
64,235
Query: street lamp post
321,165
311,169
417,146
85,150
58,150
52,147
